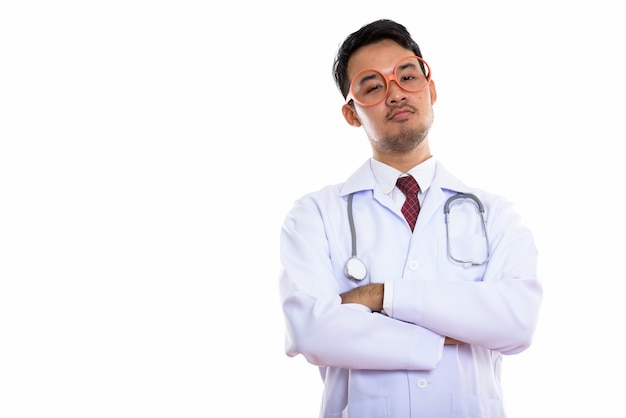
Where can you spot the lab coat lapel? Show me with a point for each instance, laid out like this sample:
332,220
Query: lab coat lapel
433,202
443,182
436,196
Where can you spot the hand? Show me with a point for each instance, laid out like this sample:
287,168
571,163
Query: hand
370,295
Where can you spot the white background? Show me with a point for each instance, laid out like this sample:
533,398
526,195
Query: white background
135,281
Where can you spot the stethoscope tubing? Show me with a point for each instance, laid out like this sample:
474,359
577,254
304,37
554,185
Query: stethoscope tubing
483,218
356,269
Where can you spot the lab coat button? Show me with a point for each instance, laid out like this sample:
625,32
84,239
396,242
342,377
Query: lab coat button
414,265
422,383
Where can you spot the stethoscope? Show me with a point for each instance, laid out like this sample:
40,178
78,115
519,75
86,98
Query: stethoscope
356,269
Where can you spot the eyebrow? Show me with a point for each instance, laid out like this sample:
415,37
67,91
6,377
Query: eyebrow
369,77
408,64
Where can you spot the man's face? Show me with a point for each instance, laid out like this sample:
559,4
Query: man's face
401,121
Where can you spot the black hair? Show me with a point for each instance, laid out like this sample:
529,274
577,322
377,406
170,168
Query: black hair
369,34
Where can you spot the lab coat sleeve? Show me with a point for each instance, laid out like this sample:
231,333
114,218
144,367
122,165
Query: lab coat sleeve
498,312
323,330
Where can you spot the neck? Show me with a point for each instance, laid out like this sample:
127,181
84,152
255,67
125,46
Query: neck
404,161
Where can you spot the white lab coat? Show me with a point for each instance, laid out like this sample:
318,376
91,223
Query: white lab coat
376,365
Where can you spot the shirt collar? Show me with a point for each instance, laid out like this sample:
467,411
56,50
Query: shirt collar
386,176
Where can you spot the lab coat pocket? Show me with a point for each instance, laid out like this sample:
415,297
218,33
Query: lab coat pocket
368,395
472,406
463,257
365,408
467,248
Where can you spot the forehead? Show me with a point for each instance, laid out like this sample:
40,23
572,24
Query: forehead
382,56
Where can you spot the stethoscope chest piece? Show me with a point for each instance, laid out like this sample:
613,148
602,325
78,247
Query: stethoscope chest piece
355,269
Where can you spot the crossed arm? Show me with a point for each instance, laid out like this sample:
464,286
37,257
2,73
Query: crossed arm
371,295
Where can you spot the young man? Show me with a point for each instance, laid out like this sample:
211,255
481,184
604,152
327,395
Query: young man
404,317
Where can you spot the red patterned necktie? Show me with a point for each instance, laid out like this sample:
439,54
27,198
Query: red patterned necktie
411,206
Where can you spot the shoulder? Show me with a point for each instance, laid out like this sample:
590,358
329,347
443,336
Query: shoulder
451,185
336,194
321,198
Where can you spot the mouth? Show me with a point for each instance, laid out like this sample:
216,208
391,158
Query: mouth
401,114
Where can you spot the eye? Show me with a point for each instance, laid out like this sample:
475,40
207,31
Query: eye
411,79
374,88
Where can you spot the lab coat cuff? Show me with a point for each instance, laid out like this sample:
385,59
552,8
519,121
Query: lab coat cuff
429,349
442,341
358,307
388,298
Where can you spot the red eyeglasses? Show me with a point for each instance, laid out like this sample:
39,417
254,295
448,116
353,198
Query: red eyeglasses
370,86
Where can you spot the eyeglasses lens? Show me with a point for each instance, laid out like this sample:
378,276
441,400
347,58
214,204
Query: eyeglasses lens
370,86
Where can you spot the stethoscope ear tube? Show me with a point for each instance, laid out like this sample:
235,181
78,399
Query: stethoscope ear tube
481,209
451,199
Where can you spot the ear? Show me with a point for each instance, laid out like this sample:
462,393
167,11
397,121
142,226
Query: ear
433,92
350,115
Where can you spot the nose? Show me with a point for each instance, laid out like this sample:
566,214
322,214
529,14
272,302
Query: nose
395,93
